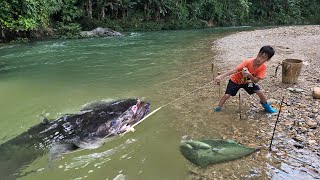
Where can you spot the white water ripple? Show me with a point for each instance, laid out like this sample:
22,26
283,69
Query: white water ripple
85,160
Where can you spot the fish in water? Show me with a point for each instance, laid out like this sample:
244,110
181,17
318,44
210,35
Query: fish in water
86,129
205,152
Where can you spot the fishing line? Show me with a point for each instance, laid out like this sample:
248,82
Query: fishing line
186,94
183,75
154,111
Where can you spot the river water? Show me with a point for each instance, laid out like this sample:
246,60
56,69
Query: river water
170,69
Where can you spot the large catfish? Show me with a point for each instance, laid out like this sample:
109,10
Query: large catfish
87,129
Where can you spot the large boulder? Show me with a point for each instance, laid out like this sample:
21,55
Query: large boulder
100,32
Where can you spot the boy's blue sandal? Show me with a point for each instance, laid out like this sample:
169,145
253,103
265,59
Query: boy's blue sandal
268,108
217,109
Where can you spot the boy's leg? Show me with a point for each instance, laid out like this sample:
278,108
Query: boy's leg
232,89
222,101
262,96
264,103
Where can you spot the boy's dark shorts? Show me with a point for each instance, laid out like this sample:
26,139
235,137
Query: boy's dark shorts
233,88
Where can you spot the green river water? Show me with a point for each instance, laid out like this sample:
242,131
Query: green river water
170,69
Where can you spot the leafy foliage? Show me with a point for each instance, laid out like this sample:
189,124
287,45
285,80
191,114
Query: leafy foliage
19,17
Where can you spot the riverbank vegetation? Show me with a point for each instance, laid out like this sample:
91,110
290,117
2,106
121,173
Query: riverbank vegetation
24,19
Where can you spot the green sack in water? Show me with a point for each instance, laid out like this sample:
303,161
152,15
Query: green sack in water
205,152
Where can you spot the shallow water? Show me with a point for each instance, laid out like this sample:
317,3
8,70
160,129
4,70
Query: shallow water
170,69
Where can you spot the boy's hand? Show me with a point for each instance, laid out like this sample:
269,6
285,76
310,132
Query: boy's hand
246,73
218,79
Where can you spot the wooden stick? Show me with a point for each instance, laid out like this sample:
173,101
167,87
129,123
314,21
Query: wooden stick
240,104
275,126
219,86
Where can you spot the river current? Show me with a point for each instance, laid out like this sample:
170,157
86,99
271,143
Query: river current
170,69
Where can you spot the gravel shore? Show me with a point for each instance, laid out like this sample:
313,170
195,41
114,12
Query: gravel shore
299,120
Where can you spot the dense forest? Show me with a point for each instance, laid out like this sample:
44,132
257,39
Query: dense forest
24,19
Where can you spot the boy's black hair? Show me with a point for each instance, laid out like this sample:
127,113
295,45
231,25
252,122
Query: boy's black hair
268,50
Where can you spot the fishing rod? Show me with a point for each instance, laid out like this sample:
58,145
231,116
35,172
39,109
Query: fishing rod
275,126
240,104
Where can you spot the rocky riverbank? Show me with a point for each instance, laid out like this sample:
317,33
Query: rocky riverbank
299,122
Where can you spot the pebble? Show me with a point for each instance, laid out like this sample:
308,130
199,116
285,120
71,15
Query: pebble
298,145
288,123
299,138
311,123
310,134
312,141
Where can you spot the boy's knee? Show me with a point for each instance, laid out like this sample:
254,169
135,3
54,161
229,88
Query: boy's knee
227,95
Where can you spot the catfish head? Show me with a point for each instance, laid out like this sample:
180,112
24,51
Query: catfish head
125,121
132,116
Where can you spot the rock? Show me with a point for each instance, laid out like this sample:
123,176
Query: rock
310,134
87,34
299,138
312,116
295,90
288,123
303,129
106,32
312,141
299,146
302,106
316,92
274,101
315,110
311,123
102,32
309,98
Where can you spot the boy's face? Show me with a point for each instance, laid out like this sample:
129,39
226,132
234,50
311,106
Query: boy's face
261,58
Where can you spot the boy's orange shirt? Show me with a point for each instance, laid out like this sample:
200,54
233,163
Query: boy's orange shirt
259,72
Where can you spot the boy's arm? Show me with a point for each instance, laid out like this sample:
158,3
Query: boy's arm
259,75
254,79
227,73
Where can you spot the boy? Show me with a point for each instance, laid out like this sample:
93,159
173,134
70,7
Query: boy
245,76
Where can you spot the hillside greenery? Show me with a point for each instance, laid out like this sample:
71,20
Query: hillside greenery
23,19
